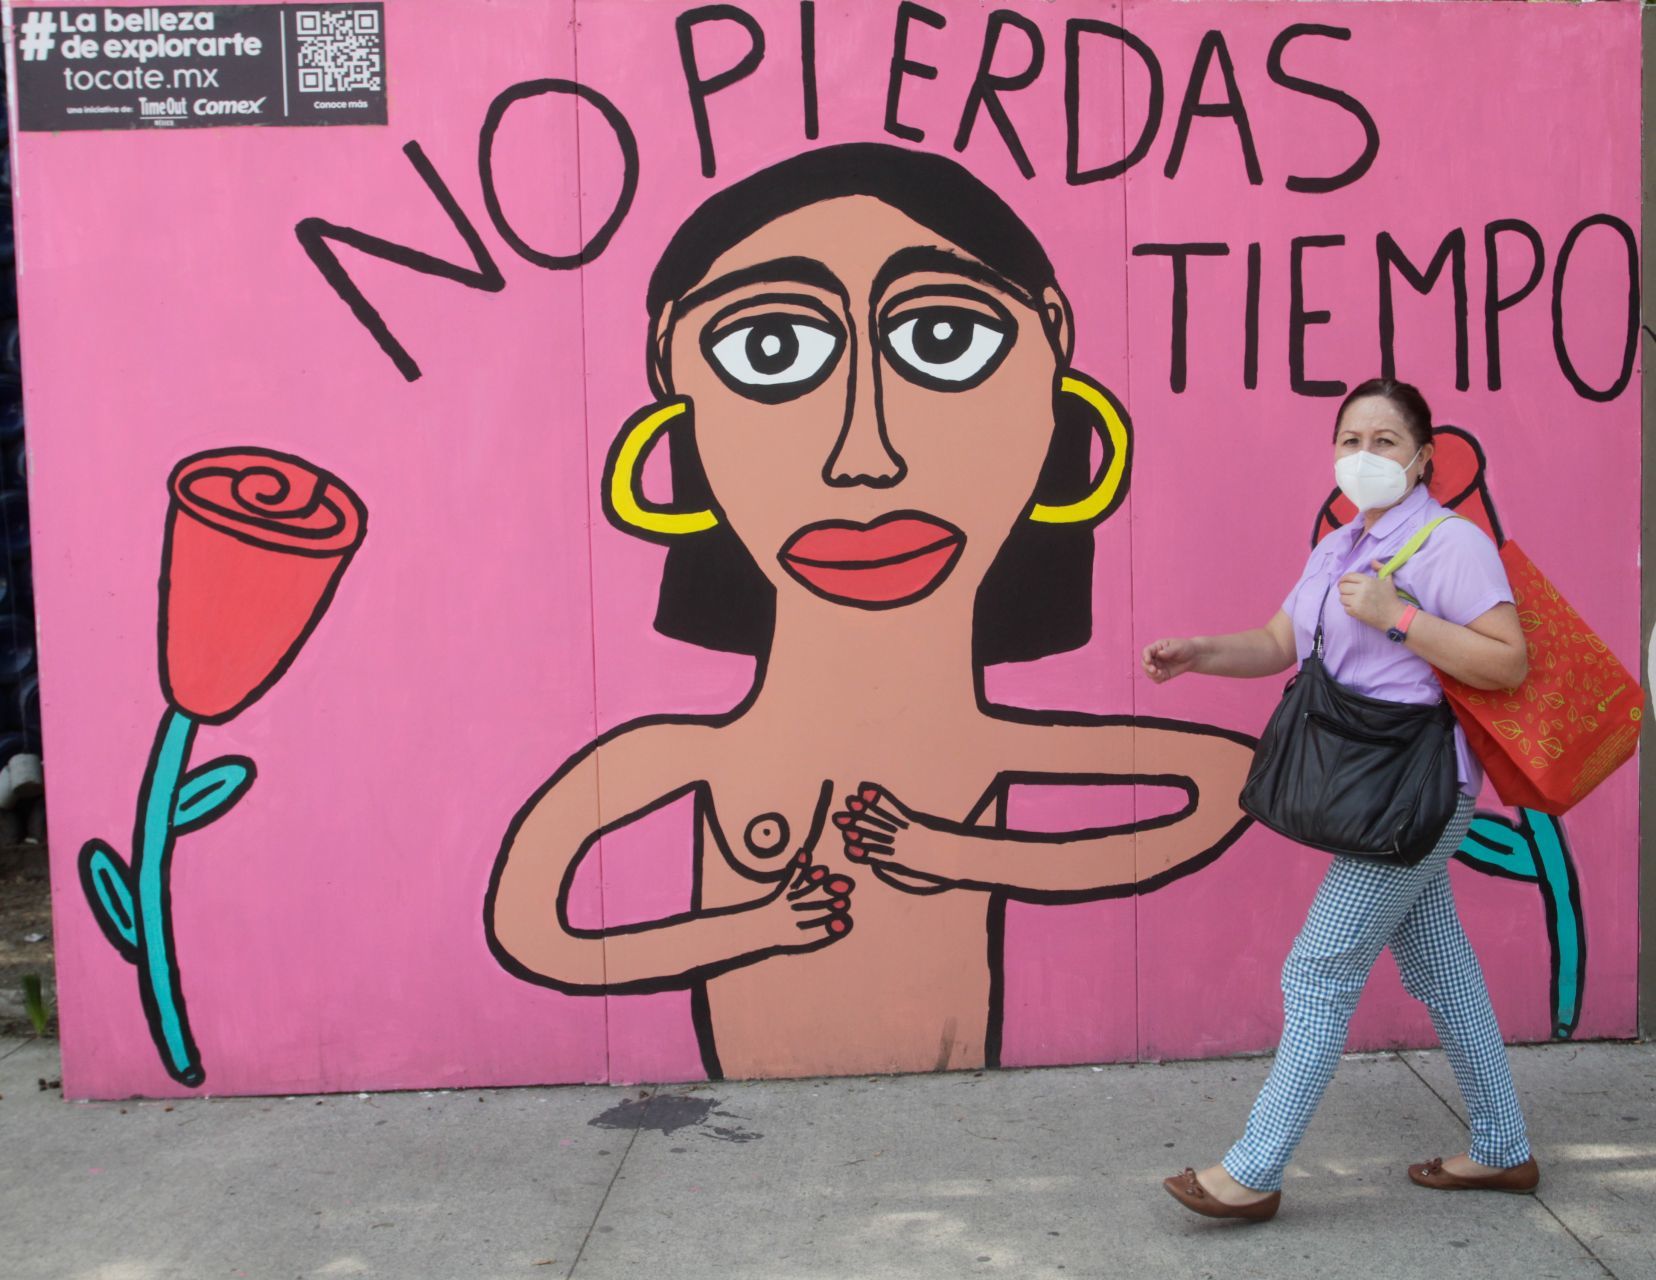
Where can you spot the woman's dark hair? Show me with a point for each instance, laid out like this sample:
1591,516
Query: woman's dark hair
1037,596
1411,406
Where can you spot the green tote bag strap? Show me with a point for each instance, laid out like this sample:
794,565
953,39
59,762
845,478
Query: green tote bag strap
1416,541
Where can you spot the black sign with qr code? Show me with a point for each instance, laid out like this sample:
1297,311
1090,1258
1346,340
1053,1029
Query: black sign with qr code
196,66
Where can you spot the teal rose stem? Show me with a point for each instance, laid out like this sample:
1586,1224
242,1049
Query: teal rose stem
1532,848
158,984
133,904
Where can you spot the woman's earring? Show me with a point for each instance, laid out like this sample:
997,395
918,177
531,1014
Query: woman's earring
622,500
1111,485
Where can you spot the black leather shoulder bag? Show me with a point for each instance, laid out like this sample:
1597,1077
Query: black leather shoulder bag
1354,775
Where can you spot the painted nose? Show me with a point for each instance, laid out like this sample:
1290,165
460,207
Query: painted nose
863,454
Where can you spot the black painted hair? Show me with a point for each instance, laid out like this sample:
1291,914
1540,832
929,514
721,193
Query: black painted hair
1037,596
1411,406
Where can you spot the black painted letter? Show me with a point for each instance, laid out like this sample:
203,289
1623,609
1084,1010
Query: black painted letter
1371,134
314,234
807,63
629,171
701,90
1389,256
1074,29
901,66
1180,254
1299,318
1213,45
987,86
1563,265
1494,301
1250,323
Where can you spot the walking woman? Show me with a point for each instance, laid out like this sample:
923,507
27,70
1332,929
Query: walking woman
1381,645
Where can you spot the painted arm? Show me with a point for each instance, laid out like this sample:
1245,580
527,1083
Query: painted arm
527,909
883,832
1263,651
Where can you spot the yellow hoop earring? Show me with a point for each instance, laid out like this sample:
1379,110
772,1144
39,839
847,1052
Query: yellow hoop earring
1112,425
626,460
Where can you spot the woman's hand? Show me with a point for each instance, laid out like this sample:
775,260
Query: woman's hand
1263,651
882,831
1164,659
1371,599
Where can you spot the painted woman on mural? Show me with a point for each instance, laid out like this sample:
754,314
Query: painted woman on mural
882,483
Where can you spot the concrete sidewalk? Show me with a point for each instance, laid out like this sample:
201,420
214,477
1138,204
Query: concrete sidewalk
1038,1175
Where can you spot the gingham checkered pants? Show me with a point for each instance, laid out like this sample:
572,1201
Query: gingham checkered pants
1360,908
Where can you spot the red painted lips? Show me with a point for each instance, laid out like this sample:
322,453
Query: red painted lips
894,560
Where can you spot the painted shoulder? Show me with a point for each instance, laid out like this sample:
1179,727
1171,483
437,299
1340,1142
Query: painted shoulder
642,751
686,741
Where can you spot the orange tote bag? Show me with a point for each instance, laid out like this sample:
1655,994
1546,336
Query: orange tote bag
1571,723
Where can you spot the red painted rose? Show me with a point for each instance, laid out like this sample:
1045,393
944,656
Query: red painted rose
256,542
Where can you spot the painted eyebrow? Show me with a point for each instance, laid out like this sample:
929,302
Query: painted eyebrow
806,271
920,258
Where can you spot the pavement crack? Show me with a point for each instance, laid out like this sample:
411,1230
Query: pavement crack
1580,1243
20,1045
1432,1089
599,1212
1536,1196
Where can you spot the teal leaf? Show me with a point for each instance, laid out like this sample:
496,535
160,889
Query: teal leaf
1533,849
208,791
108,887
1496,847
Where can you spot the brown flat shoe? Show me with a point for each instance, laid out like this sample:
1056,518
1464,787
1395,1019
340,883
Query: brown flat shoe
1521,1179
1184,1188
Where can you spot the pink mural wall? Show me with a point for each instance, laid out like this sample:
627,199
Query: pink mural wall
344,827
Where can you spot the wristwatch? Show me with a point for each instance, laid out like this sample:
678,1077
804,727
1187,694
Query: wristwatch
1399,633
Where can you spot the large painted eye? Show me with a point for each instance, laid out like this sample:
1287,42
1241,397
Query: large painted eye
774,357
949,348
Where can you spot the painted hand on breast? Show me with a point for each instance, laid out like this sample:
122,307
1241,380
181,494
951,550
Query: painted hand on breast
812,911
882,831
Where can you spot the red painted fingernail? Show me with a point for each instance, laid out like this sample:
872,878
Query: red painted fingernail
839,884
839,904
818,872
844,819
856,806
869,793
803,859
854,853
838,926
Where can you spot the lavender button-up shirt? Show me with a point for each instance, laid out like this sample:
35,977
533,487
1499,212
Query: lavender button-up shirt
1456,576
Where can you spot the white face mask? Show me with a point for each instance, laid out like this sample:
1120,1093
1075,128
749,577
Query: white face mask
1371,481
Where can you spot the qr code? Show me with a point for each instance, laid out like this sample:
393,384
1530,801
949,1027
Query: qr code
340,50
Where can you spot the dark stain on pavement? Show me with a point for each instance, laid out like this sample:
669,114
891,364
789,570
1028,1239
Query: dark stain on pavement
667,1113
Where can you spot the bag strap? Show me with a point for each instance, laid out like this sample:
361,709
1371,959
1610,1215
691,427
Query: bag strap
1416,541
